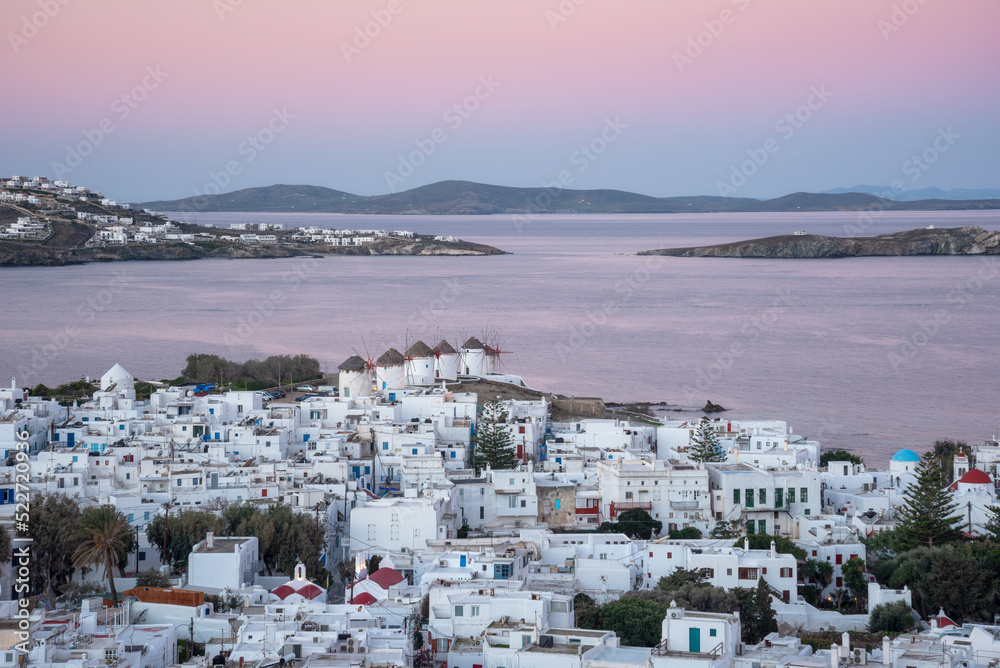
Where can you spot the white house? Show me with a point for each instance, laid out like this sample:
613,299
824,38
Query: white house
220,563
396,525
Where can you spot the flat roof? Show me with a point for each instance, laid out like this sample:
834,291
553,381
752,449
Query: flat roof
221,545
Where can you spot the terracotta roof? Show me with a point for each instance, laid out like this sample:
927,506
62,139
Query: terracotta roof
472,344
364,598
391,357
386,577
419,349
352,363
976,477
444,348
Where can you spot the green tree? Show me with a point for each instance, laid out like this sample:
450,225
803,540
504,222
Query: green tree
704,444
494,441
105,537
993,523
637,621
586,611
855,580
839,456
686,533
884,544
757,614
284,537
152,577
956,584
893,617
945,450
927,515
762,541
373,562
185,529
53,527
634,522
681,577
726,529
817,572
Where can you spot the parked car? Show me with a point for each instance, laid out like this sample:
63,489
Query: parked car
304,388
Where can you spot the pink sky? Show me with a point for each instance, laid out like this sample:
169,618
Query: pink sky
352,120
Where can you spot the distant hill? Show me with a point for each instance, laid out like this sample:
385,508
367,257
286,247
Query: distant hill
921,193
468,198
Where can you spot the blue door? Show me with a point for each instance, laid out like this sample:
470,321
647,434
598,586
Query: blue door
694,639
70,439
461,561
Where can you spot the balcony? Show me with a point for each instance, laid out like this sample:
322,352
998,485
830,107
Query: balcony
629,505
685,505
587,511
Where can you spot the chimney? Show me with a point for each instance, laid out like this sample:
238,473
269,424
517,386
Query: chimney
746,544
834,656
774,553
885,651
210,540
845,638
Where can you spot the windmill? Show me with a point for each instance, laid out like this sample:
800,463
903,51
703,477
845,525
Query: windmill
357,373
446,359
494,348
417,360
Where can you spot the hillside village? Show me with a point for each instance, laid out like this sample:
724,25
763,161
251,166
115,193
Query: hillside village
478,566
44,222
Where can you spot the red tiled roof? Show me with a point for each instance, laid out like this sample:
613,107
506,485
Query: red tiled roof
364,598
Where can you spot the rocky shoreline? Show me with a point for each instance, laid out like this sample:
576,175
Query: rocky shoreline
968,240
31,255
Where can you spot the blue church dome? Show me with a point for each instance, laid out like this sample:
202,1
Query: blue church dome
906,455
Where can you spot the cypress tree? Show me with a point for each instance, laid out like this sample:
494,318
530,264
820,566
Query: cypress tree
928,514
494,441
704,445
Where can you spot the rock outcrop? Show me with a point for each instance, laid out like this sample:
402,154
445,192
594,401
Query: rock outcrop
969,240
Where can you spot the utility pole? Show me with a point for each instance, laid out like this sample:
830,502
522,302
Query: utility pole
136,548
317,531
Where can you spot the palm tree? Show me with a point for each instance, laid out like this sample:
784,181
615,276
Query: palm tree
105,533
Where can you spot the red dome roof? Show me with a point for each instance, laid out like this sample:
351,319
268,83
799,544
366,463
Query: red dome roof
364,598
976,477
308,592
386,577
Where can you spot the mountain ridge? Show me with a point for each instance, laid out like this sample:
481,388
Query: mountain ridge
471,198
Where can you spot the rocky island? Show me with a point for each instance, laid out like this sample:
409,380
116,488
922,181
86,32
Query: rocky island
968,240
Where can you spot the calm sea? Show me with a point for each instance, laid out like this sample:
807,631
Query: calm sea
870,354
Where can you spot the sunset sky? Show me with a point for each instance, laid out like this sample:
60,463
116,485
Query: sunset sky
201,76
